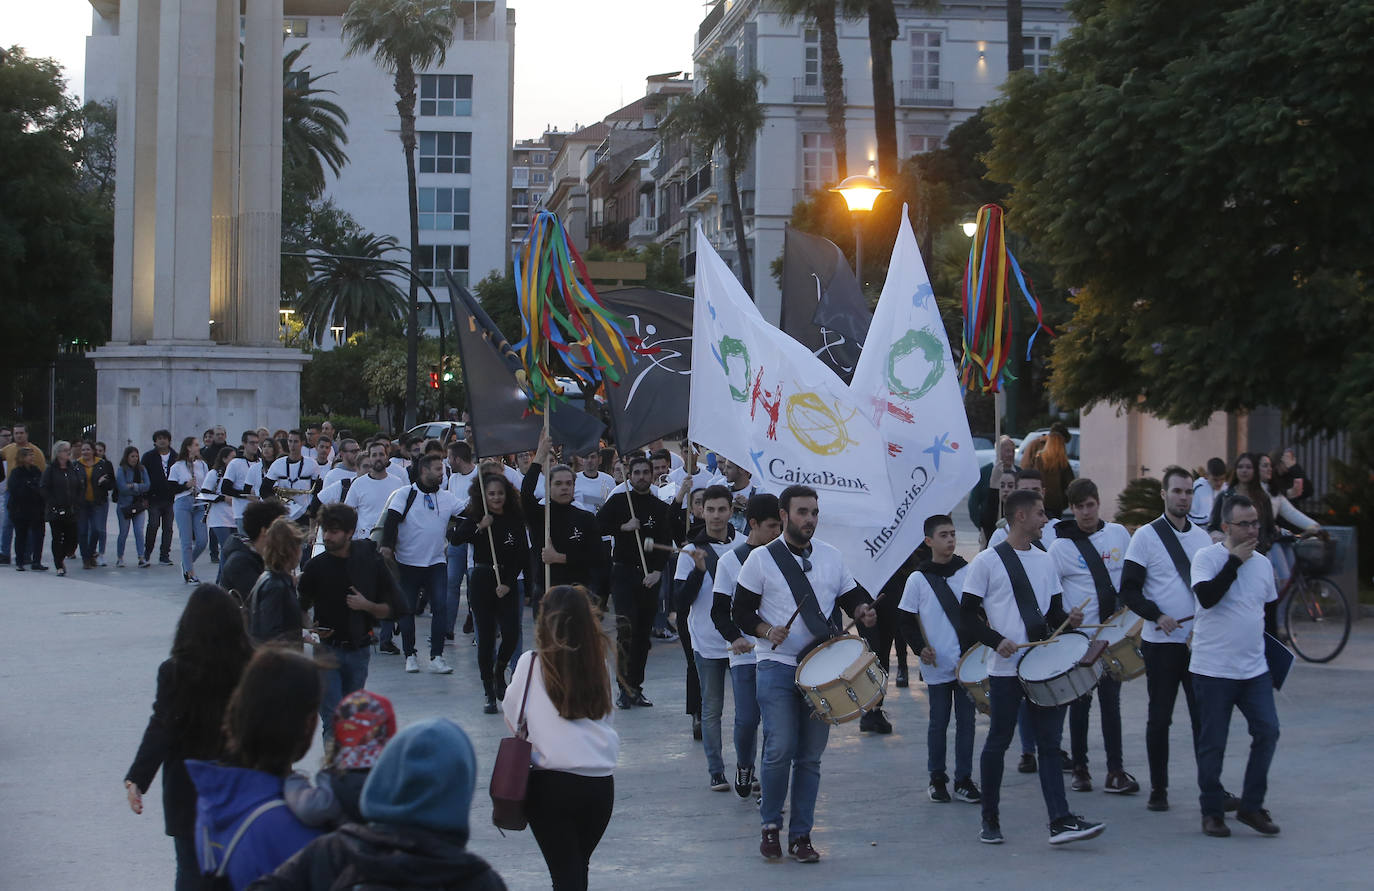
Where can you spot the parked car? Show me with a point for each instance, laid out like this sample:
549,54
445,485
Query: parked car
1036,434
444,431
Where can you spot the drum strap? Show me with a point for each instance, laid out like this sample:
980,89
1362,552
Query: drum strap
1102,580
948,602
1021,589
1171,544
802,591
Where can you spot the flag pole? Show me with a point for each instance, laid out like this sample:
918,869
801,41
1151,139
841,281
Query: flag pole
491,538
644,564
548,487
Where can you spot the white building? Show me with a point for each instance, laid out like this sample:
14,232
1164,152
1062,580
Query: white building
463,126
947,63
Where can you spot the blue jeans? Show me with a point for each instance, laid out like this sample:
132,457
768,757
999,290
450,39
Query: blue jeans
348,674
793,743
87,532
434,579
1048,723
1109,698
190,531
1215,699
745,692
6,525
220,535
945,698
712,672
457,574
138,524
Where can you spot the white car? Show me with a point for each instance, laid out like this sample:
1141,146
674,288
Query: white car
1072,449
444,431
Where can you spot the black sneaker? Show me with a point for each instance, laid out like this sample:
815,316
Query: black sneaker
1229,802
1064,763
902,679
770,847
21,567
1027,763
389,649
1159,800
1073,828
39,567
875,722
964,790
623,700
467,624
165,561
1259,821
719,783
800,850
1082,780
744,781
992,832
937,791
641,700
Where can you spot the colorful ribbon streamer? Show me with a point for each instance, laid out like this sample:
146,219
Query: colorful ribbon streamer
562,314
987,335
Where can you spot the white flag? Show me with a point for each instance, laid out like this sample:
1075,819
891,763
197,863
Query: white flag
907,382
761,399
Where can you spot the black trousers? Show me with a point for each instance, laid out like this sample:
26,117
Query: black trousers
64,532
1166,669
693,682
489,612
159,514
883,636
568,815
635,608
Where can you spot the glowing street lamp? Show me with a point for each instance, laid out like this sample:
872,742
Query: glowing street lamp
859,193
970,228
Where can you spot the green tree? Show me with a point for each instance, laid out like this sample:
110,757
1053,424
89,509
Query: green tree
1196,172
348,287
313,127
403,37
725,115
332,382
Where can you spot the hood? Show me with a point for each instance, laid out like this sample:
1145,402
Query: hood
237,544
424,778
944,570
1069,529
224,795
702,539
380,853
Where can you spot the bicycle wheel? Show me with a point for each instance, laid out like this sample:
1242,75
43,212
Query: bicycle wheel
1318,620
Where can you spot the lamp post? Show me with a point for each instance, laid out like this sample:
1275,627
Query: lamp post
970,228
859,193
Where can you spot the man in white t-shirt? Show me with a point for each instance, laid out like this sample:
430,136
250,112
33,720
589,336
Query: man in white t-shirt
929,619
243,477
297,472
1018,589
368,496
347,466
1029,481
793,740
1229,670
683,481
1157,588
1205,491
592,487
1087,538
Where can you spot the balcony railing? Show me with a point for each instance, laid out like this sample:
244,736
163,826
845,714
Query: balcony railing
643,227
926,93
804,93
698,182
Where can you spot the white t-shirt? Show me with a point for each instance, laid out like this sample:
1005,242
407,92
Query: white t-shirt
221,512
706,640
828,577
420,536
1162,582
1111,542
919,599
368,497
1228,639
592,492
288,474
585,747
244,474
180,474
1047,536
987,578
1203,498
460,484
700,480
308,451
338,473
727,574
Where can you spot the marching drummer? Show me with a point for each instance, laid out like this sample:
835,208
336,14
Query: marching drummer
795,578
1089,555
1018,588
929,619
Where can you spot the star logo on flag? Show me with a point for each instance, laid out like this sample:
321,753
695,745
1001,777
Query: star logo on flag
938,447
923,291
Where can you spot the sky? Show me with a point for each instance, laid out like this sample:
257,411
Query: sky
575,63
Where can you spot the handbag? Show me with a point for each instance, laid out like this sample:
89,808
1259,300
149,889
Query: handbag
510,777
137,506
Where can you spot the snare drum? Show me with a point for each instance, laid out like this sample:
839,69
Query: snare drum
1054,673
841,679
972,674
1123,660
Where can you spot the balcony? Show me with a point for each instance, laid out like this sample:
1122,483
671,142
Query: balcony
709,23
643,227
804,93
925,94
520,178
698,182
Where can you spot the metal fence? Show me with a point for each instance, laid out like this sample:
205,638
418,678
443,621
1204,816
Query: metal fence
1315,454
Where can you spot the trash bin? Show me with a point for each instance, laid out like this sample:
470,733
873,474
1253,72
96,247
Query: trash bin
1346,569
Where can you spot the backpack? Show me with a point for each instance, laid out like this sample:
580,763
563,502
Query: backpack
376,533
219,878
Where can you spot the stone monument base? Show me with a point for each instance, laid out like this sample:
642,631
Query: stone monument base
187,386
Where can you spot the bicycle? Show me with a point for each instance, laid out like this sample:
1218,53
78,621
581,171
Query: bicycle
1315,612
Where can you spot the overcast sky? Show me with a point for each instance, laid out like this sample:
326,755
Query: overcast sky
574,62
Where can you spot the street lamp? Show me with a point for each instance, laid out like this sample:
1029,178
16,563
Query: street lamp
338,331
859,193
970,228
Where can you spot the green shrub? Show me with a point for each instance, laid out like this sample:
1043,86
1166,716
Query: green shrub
1140,502
358,428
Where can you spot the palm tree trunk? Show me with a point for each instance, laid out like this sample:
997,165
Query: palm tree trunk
746,272
1016,55
832,79
882,30
405,105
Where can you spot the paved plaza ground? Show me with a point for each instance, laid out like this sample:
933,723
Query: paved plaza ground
79,672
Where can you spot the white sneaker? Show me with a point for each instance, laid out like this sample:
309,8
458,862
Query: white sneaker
119,564
100,561
439,666
412,665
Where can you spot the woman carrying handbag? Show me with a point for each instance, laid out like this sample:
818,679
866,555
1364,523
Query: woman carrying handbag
561,695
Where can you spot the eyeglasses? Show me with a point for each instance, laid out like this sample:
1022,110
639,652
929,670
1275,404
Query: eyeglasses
806,565
429,501
1246,524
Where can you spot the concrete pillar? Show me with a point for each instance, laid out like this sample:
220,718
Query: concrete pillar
136,168
260,148
224,196
185,119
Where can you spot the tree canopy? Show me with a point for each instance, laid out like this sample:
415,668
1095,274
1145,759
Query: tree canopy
1198,174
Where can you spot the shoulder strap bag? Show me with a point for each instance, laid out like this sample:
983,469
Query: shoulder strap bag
510,776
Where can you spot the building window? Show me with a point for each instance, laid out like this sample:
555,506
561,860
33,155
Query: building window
920,143
520,198
925,59
811,56
436,258
538,178
295,27
445,152
1036,50
445,95
818,160
537,158
444,209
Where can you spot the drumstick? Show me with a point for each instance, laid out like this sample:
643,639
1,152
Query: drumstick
1179,621
922,626
796,612
1057,631
651,545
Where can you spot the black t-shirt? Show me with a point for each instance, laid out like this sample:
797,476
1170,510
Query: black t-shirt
324,585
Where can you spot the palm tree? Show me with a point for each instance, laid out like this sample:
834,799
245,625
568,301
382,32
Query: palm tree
313,133
725,115
1016,50
822,13
882,30
349,289
404,36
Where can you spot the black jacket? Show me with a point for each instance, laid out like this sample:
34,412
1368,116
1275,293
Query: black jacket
26,494
366,571
162,747
654,522
379,855
64,489
274,615
511,542
573,531
239,566
159,489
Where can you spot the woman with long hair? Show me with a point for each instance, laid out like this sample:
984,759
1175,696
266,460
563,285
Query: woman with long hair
499,542
568,715
131,503
220,518
268,726
275,613
1245,481
1281,511
267,449
1055,472
209,652
64,487
186,478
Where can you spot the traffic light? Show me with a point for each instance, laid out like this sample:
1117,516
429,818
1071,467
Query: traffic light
434,377
447,369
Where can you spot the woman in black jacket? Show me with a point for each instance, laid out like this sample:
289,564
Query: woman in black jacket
64,491
274,610
209,652
26,510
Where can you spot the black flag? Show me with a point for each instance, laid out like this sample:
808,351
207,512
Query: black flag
651,399
496,405
823,307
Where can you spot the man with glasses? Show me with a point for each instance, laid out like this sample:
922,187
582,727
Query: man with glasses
347,467
243,477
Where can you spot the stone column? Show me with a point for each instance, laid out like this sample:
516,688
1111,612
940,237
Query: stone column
224,196
135,176
185,121
260,148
